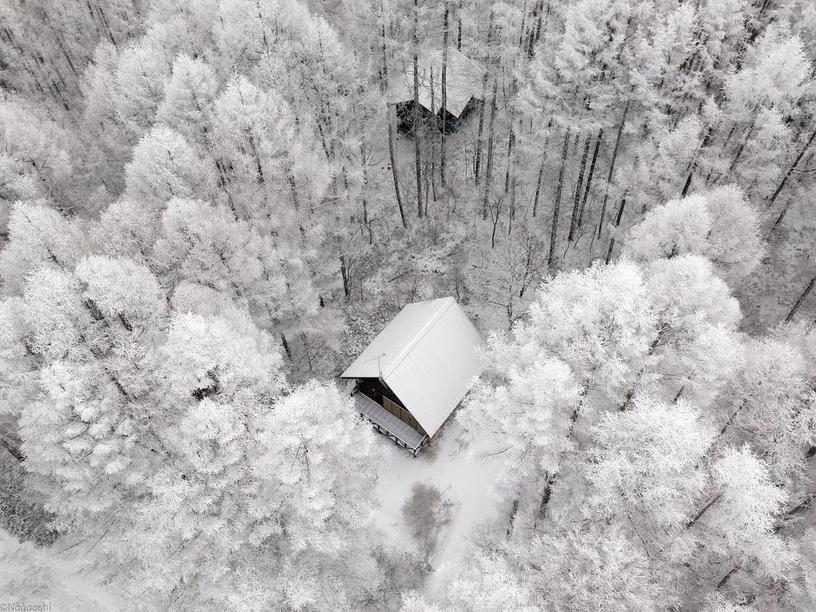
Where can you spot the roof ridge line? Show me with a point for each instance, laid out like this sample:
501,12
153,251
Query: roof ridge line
419,335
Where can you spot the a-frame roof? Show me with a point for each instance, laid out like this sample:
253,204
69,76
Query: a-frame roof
429,356
464,81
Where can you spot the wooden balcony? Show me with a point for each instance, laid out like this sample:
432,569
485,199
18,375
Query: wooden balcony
384,422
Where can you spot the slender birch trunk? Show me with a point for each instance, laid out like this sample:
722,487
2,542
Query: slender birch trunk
741,148
557,201
801,299
617,224
480,136
538,181
612,167
490,142
392,117
459,27
445,36
480,133
417,143
366,222
511,139
791,169
541,170
432,146
576,199
598,141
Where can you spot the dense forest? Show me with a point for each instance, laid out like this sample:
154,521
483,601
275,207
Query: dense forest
208,208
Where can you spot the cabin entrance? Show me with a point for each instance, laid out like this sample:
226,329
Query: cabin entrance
374,389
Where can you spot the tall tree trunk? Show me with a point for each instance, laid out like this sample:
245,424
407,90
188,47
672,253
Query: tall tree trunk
779,217
344,273
557,202
539,21
417,144
364,198
483,110
513,513
286,348
392,119
490,142
549,482
552,476
445,35
523,28
617,224
480,133
693,163
801,299
459,27
541,168
741,148
392,150
791,169
598,141
431,145
576,199
538,181
511,139
612,167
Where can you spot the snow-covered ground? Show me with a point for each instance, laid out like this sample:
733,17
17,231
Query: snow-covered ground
465,476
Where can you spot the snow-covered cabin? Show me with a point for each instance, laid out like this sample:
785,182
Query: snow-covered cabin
464,91
416,371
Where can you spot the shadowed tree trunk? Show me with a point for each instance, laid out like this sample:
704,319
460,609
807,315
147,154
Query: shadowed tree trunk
511,138
780,216
740,148
490,141
791,169
617,224
538,181
364,195
391,110
483,110
344,272
445,35
513,513
541,170
393,153
693,164
557,201
598,141
431,146
576,199
612,167
459,27
552,476
286,348
801,299
477,167
417,144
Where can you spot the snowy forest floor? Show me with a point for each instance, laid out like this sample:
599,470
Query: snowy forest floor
464,476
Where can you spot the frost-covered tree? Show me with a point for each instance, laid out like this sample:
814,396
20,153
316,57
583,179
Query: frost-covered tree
718,225
35,158
188,98
39,236
164,165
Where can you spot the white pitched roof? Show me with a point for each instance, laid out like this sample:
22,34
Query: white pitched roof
428,356
464,81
